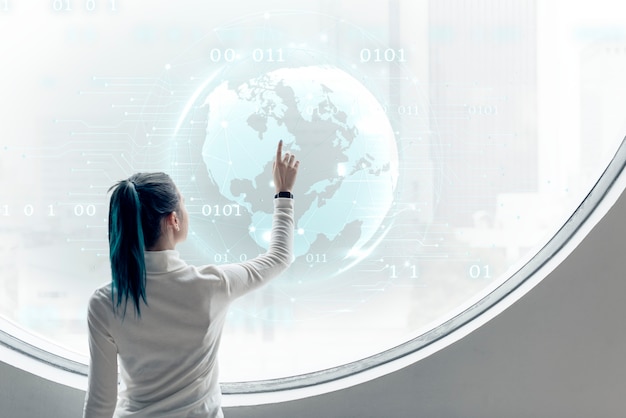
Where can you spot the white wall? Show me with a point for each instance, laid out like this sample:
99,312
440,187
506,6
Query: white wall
557,352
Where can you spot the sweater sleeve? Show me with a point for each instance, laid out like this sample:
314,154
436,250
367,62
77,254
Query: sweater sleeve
101,396
243,277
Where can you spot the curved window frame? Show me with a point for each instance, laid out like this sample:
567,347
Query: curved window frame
49,361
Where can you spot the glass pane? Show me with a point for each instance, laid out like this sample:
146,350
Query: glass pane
443,144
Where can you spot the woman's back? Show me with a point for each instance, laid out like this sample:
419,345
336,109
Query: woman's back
162,318
168,355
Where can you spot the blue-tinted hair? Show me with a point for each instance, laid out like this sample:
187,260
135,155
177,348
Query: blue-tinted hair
136,209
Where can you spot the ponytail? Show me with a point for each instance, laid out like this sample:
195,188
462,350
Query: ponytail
126,247
137,207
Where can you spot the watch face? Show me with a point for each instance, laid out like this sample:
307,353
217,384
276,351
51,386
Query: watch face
437,150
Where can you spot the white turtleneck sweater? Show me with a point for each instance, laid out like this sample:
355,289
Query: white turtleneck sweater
168,356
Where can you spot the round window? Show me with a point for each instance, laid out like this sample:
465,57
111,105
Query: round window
444,145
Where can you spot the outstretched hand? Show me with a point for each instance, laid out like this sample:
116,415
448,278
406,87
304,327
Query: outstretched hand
285,170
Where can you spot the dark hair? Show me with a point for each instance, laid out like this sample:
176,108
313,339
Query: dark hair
137,206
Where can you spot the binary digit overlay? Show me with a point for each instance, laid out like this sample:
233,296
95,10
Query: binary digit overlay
437,149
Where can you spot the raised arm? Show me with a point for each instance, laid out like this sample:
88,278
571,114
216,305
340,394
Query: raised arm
243,277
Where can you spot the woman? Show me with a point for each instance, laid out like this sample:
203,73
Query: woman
167,339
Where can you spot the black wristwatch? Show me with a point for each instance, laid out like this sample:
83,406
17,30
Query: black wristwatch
284,194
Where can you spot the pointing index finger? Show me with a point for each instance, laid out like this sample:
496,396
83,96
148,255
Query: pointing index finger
279,150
